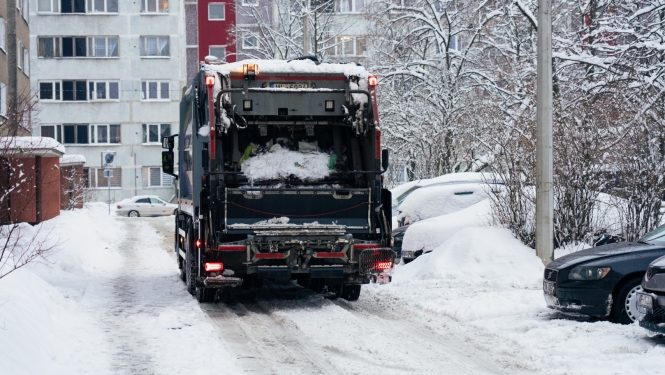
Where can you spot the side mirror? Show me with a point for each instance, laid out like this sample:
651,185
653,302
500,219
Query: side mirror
169,142
384,159
167,162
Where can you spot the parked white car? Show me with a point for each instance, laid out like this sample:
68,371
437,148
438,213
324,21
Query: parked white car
145,205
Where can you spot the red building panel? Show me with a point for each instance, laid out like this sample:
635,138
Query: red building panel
214,31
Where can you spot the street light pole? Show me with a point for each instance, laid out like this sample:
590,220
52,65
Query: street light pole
544,155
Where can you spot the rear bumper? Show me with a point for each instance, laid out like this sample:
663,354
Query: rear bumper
222,281
654,320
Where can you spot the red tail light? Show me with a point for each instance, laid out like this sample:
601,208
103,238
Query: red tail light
213,267
210,80
382,266
378,144
373,80
198,243
364,246
270,256
329,255
119,207
232,247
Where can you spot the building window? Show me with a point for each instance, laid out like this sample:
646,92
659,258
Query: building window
250,41
103,47
155,90
103,90
218,51
102,6
116,180
74,91
2,34
26,62
351,6
48,47
108,134
250,3
153,133
154,6
48,6
19,49
350,46
52,131
72,6
216,12
154,46
76,134
50,90
3,99
25,11
156,178
323,6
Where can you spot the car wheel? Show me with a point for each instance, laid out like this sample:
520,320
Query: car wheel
624,309
133,214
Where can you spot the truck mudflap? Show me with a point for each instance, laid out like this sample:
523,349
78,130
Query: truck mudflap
222,281
376,261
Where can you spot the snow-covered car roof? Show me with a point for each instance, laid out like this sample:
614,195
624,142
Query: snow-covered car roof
441,200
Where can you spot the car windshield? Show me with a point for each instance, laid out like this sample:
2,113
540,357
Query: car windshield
657,235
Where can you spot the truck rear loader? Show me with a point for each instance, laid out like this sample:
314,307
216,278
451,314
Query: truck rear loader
280,177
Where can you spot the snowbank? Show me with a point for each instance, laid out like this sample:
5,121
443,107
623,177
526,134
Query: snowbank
488,257
35,145
429,234
282,163
292,66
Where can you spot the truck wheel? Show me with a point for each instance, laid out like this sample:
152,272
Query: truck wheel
190,263
181,264
350,292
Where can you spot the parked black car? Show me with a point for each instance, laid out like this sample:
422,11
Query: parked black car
651,301
603,281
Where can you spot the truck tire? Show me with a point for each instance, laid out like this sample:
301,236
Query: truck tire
183,274
350,292
190,262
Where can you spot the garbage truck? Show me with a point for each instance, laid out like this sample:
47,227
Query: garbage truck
279,171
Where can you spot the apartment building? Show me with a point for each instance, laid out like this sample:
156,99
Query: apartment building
15,47
109,76
209,30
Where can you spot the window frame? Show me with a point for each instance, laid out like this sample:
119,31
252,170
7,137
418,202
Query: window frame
144,7
145,136
3,100
339,46
92,93
51,3
223,58
76,134
143,46
244,39
26,62
354,6
57,93
91,49
117,174
162,175
3,35
25,11
224,9
145,93
19,53
90,5
246,4
93,135
57,131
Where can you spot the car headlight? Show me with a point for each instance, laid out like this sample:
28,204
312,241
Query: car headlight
588,273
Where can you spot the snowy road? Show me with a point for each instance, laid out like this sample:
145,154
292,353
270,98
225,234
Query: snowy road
112,303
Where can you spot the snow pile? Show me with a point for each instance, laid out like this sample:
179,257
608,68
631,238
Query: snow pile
72,159
487,257
282,163
291,66
429,234
33,144
433,201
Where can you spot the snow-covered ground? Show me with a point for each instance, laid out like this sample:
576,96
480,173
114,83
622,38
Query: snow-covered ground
112,303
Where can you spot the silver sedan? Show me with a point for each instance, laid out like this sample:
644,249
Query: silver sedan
145,205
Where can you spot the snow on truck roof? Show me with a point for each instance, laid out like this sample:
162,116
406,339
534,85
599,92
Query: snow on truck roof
289,66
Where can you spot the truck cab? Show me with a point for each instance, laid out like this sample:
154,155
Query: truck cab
279,175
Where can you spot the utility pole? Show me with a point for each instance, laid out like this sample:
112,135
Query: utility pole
305,31
544,155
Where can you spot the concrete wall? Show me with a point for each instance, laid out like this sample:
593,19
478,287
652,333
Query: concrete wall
130,69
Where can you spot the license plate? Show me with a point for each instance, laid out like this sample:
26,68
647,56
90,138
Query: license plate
645,301
289,85
548,288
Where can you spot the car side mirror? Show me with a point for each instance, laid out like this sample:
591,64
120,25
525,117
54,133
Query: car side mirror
384,159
